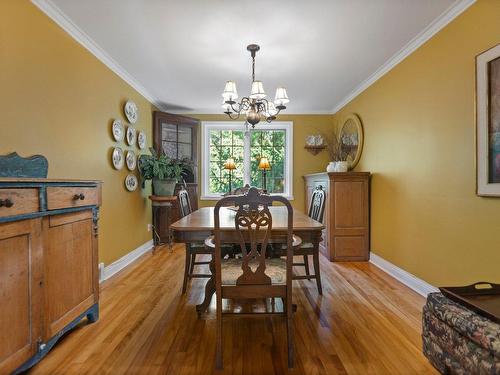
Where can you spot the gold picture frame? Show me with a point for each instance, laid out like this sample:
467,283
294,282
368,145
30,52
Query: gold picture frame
351,139
488,122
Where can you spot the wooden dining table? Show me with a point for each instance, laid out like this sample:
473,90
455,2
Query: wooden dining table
198,225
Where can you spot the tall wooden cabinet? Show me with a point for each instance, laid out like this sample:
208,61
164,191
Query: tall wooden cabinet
347,213
48,264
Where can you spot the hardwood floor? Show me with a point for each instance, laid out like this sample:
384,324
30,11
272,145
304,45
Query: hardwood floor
365,323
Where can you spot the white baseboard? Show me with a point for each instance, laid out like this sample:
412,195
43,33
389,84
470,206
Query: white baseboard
411,281
125,260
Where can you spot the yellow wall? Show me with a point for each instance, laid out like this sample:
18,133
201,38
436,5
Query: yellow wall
58,100
303,161
419,143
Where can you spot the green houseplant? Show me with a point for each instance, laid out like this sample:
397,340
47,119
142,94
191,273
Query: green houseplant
165,172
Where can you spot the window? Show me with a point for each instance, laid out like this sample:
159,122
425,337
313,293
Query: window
223,140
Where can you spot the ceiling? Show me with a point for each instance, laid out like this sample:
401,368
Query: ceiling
180,53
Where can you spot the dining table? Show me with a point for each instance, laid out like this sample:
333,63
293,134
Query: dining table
199,225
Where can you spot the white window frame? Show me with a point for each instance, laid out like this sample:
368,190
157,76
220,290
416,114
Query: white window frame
207,126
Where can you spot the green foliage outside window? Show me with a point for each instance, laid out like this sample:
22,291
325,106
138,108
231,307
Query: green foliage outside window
230,143
269,143
225,144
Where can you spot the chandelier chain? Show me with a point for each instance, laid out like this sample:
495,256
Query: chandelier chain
253,68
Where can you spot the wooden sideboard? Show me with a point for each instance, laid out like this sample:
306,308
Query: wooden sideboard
48,264
347,213
167,211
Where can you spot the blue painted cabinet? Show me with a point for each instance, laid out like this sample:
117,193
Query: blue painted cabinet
48,264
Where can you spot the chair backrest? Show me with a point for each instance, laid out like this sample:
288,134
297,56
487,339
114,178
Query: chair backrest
317,205
253,224
184,202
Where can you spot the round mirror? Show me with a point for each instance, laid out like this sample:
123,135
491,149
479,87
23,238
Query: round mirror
351,139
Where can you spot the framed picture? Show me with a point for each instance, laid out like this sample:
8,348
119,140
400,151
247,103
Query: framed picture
488,122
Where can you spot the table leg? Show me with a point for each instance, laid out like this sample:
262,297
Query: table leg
209,290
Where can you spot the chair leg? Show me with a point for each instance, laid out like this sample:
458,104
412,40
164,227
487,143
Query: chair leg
191,269
289,324
316,271
186,269
306,264
218,349
289,334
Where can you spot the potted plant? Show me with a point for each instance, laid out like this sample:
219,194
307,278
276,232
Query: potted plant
165,172
338,155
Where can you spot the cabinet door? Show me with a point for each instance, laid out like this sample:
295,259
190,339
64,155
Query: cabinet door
20,292
70,265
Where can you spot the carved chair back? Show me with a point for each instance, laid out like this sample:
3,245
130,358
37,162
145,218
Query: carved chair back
253,224
184,202
317,206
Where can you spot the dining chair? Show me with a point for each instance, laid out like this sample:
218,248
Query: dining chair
316,211
192,249
253,276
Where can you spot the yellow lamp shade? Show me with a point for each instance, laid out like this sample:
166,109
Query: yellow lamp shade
229,164
264,163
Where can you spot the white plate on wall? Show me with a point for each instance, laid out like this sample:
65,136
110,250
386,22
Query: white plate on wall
131,182
117,158
131,111
141,140
131,160
118,130
131,135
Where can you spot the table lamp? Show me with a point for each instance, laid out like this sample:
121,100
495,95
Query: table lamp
229,165
264,166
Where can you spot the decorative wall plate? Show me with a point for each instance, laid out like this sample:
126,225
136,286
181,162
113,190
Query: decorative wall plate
118,130
117,157
131,135
141,140
131,111
131,160
131,182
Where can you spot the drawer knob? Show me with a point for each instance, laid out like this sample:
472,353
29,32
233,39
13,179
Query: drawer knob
79,197
6,203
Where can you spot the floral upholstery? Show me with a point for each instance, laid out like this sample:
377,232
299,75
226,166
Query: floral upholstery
456,340
231,270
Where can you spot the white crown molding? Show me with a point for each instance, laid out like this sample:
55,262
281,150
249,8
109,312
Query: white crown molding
215,111
434,27
61,19
125,260
411,281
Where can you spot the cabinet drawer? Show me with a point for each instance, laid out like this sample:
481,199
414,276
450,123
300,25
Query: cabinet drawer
18,201
64,197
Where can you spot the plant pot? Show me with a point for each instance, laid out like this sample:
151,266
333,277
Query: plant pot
332,166
342,166
337,166
164,188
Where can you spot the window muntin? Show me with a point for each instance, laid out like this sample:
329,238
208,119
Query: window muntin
222,140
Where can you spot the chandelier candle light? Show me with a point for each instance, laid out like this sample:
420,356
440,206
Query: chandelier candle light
255,106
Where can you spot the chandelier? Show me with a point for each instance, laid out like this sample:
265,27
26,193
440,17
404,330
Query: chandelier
255,106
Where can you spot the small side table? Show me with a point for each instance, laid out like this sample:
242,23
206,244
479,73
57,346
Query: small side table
162,216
